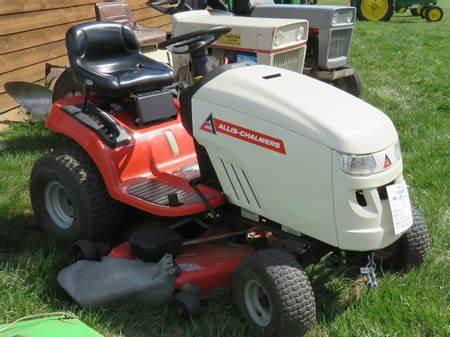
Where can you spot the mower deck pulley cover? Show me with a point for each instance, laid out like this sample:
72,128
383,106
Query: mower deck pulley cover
150,243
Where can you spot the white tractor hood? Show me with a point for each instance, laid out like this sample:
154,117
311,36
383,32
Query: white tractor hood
303,105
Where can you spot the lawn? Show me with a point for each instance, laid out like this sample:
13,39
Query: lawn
405,68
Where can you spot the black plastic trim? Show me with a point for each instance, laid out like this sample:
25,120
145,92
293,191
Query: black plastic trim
110,131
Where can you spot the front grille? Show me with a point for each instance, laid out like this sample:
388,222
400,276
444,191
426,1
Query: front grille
339,43
290,60
382,191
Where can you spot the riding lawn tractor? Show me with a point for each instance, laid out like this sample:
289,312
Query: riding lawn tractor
243,173
383,10
329,38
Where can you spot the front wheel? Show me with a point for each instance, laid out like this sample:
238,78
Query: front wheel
69,197
375,10
412,248
350,84
274,294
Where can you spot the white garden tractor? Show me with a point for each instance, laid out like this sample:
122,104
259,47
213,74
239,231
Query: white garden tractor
275,42
329,38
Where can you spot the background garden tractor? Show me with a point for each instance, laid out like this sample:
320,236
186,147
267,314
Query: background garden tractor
329,38
382,10
330,35
276,42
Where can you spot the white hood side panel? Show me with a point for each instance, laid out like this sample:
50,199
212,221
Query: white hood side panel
303,105
285,177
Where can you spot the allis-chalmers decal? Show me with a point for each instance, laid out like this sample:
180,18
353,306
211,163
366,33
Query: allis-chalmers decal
215,125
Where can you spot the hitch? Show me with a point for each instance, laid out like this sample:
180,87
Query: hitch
369,272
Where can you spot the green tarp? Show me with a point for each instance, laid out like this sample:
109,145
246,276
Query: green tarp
52,326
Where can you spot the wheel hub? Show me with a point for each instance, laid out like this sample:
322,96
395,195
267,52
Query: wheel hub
374,10
434,14
59,205
258,303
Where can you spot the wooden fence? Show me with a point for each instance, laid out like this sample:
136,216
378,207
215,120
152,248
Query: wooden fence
32,34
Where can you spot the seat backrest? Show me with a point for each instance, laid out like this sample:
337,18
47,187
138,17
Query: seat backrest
95,42
117,11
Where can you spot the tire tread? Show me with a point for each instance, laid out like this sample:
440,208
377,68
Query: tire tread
292,289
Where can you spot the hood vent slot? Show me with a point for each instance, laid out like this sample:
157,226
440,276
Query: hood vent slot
241,190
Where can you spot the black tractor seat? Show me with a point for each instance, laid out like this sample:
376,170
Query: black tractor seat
107,53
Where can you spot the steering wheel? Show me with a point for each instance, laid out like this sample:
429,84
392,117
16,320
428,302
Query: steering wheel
191,42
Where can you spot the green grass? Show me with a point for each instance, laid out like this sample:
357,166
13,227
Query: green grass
405,67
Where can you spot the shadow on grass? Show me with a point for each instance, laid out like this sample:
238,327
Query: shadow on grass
23,138
335,287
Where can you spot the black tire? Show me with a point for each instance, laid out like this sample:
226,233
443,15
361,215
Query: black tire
415,243
95,215
433,13
350,84
286,290
421,11
412,248
386,17
414,12
65,86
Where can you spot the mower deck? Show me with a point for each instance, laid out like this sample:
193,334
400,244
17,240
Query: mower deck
208,266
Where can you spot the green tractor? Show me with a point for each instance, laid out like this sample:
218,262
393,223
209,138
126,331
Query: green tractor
382,10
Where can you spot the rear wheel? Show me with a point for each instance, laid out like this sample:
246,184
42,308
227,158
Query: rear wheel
375,10
69,197
274,294
350,84
433,13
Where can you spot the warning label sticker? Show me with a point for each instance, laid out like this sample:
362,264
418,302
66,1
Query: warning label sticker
230,39
215,125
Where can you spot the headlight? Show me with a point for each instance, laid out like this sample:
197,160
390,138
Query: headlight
335,18
365,164
300,32
357,164
342,17
278,37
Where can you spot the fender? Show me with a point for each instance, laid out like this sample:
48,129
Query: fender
148,155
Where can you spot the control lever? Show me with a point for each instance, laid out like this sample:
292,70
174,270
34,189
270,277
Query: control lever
87,91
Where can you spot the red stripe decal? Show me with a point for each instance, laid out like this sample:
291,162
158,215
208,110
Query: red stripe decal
262,51
250,136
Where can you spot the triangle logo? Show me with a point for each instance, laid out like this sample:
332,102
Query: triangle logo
387,161
208,125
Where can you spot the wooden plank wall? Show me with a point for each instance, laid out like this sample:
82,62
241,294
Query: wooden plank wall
32,34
